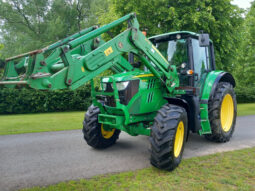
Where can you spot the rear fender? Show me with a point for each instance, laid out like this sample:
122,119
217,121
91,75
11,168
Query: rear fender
212,79
222,77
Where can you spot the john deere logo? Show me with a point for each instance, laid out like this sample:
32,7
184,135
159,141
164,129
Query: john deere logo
108,51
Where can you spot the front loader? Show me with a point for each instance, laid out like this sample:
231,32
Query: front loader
163,87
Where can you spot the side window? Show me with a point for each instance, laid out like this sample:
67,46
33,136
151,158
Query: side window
200,60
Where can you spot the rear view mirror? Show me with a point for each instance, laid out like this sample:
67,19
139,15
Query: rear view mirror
204,40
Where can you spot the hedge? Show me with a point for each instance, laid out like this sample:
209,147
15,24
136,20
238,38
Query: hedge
245,94
15,101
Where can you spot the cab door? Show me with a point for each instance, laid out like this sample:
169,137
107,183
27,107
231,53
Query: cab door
201,63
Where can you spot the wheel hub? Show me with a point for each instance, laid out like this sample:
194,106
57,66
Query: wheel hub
107,134
179,136
227,112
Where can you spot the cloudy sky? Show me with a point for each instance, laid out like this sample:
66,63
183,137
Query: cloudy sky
242,3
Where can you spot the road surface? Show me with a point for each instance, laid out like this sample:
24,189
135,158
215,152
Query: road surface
38,159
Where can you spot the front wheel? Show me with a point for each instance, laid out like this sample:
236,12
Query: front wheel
95,134
222,113
168,135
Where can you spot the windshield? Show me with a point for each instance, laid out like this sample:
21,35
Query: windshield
175,51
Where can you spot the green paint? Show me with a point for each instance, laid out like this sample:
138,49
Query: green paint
206,88
210,79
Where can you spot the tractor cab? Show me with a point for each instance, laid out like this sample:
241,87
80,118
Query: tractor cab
192,54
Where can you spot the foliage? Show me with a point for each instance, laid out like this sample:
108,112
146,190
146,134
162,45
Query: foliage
245,65
245,94
219,18
1,62
34,101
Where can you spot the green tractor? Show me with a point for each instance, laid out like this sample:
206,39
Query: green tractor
165,86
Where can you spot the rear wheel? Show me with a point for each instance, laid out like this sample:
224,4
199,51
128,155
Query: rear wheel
95,134
222,113
168,135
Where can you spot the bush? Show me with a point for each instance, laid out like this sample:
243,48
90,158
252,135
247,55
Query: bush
245,94
35,101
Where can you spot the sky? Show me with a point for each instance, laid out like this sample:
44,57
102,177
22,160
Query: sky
242,3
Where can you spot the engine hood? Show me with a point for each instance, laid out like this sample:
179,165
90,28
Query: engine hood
133,75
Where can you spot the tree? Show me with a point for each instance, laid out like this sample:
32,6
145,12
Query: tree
245,65
217,17
31,24
22,22
1,62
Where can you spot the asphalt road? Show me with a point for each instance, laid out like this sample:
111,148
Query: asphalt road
39,159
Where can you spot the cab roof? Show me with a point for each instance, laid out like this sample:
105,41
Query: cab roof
165,36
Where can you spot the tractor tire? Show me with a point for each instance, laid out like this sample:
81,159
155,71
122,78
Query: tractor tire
168,136
94,133
222,113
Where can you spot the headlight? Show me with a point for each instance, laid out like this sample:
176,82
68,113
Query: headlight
121,85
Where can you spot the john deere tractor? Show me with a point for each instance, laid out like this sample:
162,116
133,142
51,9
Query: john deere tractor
164,86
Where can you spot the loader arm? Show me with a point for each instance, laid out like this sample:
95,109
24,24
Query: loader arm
83,56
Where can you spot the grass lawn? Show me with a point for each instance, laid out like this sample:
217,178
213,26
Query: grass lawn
223,171
30,123
246,109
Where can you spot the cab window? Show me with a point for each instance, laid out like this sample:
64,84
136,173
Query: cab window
176,53
201,60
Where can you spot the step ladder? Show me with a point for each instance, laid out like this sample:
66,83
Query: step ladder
204,118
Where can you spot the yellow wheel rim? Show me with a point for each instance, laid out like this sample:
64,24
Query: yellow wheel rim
179,137
227,112
107,134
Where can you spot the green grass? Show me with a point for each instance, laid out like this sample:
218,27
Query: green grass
31,123
223,171
246,109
